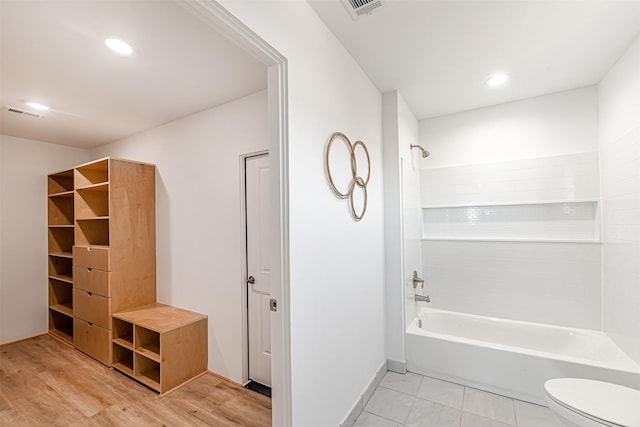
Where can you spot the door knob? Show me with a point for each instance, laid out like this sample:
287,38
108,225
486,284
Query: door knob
251,280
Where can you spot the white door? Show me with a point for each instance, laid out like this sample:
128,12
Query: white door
258,268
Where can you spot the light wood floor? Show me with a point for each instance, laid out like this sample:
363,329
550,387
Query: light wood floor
46,383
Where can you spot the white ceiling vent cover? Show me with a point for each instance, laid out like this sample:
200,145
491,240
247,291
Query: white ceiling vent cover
20,111
358,8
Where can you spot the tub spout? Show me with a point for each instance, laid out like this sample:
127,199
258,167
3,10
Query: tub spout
422,298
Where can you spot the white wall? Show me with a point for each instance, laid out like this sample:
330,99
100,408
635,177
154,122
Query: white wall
336,273
550,125
408,134
198,218
24,165
519,154
619,141
402,221
394,325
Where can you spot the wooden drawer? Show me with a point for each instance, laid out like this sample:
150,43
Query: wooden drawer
92,308
92,340
91,256
91,280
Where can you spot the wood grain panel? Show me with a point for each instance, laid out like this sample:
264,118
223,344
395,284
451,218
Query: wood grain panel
91,280
132,234
92,307
91,256
92,340
183,353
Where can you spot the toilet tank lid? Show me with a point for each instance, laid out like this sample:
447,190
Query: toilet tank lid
611,403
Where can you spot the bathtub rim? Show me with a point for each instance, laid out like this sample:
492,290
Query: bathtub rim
629,364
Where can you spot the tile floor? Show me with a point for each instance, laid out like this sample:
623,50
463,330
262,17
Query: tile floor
414,400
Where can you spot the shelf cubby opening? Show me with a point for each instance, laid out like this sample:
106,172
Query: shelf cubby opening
60,182
147,342
91,174
91,204
61,268
60,240
549,221
60,296
61,325
147,371
123,359
122,333
60,210
92,232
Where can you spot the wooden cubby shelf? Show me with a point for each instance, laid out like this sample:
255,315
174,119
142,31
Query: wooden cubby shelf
62,278
61,325
92,202
61,236
92,231
60,210
65,309
113,254
102,186
122,333
61,254
102,276
60,268
123,359
60,182
60,296
147,371
63,194
90,174
169,345
147,343
60,239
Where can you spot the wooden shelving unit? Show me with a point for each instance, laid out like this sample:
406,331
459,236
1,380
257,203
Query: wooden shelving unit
114,258
102,260
159,345
60,222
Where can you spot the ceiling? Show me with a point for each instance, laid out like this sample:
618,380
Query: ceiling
438,54
53,53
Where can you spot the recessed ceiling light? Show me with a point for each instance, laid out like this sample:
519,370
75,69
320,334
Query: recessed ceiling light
119,46
497,80
37,106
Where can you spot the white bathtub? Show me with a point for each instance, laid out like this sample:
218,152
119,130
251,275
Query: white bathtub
511,358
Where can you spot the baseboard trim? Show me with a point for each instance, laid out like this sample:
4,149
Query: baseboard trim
30,337
357,408
397,366
222,377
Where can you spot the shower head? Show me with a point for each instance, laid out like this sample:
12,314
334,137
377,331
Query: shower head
425,153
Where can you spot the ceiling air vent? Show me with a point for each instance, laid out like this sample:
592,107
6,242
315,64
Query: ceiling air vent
359,8
19,111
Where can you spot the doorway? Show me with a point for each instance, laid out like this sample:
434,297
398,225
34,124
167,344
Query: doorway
217,16
258,271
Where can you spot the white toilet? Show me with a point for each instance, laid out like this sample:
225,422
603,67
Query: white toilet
588,403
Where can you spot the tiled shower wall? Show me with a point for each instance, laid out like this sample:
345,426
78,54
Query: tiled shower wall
545,178
620,167
517,240
619,144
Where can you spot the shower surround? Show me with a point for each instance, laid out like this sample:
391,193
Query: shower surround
512,224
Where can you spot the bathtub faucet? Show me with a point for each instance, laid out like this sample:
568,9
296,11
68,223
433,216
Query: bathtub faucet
417,280
422,298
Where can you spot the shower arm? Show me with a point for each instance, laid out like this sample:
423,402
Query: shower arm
425,153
